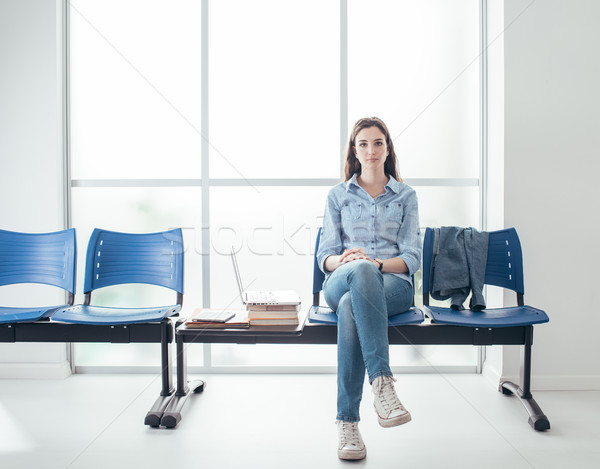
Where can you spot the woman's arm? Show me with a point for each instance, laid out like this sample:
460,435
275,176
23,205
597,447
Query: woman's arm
394,265
409,237
332,263
330,244
349,255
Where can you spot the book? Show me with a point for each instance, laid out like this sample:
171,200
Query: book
238,321
211,315
218,325
272,315
273,307
274,322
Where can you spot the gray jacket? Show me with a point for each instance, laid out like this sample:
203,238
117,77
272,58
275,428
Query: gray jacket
458,266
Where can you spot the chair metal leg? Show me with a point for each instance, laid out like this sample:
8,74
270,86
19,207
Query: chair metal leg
537,419
155,414
172,415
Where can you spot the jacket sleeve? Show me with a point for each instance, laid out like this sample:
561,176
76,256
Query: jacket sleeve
409,235
331,232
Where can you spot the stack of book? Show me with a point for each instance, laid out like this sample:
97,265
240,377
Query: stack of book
273,315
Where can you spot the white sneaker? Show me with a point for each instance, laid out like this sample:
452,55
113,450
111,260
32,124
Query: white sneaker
390,410
350,443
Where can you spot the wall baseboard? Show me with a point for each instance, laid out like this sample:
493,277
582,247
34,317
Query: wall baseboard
35,370
538,382
565,383
491,374
548,382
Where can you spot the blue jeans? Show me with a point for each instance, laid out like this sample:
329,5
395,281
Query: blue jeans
363,298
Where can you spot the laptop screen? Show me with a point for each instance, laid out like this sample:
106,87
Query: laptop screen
238,278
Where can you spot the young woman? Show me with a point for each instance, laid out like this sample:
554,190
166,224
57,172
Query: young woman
370,246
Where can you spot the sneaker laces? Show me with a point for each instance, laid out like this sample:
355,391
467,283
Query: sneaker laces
386,394
349,434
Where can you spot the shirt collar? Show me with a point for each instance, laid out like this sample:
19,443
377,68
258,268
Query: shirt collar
392,183
351,181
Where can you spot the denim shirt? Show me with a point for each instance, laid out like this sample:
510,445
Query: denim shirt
385,227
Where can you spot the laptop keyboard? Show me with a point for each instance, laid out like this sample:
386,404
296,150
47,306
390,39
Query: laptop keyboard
260,297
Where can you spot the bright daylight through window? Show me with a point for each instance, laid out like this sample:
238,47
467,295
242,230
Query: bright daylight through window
226,118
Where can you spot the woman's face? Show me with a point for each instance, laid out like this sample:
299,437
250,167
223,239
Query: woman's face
371,148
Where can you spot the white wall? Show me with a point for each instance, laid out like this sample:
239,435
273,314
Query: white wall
552,136
31,175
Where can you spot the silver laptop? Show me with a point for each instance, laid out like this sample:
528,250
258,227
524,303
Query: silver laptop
262,297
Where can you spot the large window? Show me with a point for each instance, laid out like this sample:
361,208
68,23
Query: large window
228,118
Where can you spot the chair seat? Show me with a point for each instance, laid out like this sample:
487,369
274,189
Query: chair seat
9,315
495,317
324,315
101,315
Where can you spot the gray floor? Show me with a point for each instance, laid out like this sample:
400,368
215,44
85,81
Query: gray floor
287,421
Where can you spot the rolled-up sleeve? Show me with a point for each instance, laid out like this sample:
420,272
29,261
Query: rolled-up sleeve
409,235
330,243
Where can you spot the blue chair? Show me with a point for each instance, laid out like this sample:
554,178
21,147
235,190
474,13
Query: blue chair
123,258
43,258
504,268
324,315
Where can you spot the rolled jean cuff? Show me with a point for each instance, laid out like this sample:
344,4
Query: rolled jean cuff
348,419
379,373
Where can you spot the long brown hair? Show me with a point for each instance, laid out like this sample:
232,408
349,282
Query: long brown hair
353,165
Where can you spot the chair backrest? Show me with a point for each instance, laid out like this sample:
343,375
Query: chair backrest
46,258
117,258
318,275
504,267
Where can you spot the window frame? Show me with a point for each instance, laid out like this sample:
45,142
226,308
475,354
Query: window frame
205,182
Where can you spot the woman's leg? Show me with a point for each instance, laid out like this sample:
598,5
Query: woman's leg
351,366
399,294
356,292
389,409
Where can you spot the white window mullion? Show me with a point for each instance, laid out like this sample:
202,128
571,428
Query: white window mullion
483,111
343,82
205,216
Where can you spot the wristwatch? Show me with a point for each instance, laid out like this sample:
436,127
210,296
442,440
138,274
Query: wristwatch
380,263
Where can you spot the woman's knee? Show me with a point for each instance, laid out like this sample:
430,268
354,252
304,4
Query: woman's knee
364,271
399,294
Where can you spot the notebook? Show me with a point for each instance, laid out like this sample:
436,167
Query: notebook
262,297
211,315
